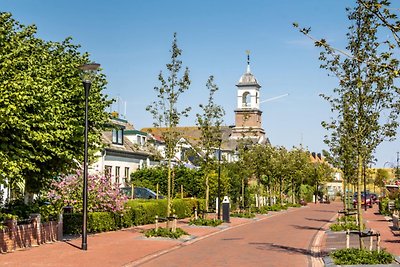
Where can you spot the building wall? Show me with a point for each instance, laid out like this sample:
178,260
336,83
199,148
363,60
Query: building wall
247,118
112,162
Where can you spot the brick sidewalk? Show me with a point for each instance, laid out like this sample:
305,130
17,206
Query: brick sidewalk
373,220
116,248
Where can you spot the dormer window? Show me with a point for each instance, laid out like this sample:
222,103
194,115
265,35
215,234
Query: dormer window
118,136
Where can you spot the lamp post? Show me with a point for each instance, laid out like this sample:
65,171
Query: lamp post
88,72
219,179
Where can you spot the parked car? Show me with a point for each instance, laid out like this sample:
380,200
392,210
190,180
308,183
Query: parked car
140,192
366,199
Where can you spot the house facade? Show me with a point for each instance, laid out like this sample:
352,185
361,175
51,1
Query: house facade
125,151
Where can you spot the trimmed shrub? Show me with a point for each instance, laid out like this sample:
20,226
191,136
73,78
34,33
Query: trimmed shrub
384,206
164,232
248,215
353,256
336,227
136,212
205,222
72,223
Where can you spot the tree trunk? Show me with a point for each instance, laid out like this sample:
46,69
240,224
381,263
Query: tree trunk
359,210
207,193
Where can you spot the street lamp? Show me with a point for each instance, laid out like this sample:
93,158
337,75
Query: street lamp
219,179
88,72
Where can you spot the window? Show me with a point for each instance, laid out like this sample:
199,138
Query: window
107,171
126,175
246,99
118,136
117,169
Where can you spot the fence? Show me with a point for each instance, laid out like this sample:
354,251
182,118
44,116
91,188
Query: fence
17,237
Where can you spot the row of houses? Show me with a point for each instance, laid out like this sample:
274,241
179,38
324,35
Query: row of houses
128,149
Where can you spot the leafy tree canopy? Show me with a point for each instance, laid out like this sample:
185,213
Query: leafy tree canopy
42,106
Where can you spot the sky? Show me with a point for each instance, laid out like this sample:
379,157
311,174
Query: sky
131,39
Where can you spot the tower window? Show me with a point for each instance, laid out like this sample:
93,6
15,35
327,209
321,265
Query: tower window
246,99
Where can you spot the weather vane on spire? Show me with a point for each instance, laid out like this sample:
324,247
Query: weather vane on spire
248,60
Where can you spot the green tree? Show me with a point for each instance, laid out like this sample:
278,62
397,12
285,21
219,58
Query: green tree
165,110
381,177
367,97
209,123
41,114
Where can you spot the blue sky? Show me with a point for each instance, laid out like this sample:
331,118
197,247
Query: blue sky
131,41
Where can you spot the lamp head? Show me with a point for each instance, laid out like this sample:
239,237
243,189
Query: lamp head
88,71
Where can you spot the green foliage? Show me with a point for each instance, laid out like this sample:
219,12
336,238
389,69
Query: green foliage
72,223
346,219
382,176
144,211
41,114
276,207
248,215
384,206
191,179
136,212
165,109
336,227
164,232
205,222
306,192
209,123
23,211
293,205
353,256
366,102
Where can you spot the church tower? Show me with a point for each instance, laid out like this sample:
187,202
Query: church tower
247,112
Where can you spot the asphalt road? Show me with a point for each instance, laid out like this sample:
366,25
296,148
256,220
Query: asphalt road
277,240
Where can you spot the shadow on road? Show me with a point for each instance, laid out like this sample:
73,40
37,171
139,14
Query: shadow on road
392,241
302,227
72,245
282,248
318,220
330,211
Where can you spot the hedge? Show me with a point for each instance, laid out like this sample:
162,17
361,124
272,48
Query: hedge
137,212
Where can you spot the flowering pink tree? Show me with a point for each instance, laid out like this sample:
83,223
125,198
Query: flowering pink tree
102,194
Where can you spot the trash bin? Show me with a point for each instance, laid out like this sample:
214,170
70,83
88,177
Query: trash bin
68,209
225,209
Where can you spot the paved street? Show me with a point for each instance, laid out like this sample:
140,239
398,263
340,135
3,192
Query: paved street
279,240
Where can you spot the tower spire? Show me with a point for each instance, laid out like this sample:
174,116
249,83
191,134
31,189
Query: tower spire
248,60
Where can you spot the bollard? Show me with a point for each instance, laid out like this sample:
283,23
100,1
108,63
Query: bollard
370,243
195,214
60,227
378,243
156,223
174,224
347,238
